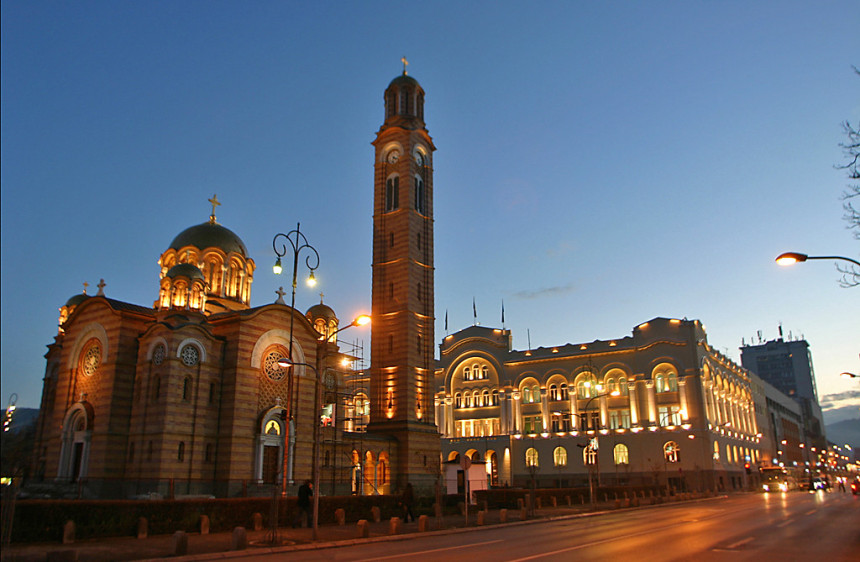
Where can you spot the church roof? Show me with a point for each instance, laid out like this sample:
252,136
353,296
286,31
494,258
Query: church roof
403,80
210,235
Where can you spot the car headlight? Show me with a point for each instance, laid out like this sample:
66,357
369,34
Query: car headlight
783,487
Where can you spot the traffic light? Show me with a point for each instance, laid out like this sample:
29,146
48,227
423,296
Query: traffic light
747,467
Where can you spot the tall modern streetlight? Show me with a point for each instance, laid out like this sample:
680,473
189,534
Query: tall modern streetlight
591,444
298,243
286,363
791,258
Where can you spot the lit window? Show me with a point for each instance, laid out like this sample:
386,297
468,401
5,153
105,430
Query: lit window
621,454
559,456
622,386
716,451
485,372
532,457
467,373
458,400
564,394
553,392
589,455
671,452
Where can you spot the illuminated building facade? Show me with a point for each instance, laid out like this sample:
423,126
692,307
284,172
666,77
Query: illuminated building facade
185,397
660,406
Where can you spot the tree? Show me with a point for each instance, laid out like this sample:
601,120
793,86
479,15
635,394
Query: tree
851,150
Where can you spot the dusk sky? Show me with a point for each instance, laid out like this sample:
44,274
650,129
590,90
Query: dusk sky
598,164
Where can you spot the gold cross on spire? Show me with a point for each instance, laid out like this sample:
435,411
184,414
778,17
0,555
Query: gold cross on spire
321,297
405,64
215,203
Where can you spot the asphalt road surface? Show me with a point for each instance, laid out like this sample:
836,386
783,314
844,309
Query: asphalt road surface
781,526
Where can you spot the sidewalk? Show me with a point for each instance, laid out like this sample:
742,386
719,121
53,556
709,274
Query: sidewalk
217,546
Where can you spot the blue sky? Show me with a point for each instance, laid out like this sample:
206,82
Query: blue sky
597,164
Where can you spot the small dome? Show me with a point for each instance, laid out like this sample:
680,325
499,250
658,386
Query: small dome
320,311
210,235
185,270
77,299
403,80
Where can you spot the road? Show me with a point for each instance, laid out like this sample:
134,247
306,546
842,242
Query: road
791,526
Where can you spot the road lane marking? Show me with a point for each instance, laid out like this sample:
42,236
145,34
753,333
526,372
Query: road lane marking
406,554
785,523
810,512
741,542
595,543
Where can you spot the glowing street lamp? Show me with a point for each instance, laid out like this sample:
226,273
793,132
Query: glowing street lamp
848,375
791,258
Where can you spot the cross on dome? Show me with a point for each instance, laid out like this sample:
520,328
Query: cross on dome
215,203
405,64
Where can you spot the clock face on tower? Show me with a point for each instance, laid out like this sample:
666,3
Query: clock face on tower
393,156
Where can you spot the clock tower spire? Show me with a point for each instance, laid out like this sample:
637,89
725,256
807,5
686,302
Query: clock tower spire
402,341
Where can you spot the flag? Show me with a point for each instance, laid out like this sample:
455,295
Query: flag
474,311
503,313
446,321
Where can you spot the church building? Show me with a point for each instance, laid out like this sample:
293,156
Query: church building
187,397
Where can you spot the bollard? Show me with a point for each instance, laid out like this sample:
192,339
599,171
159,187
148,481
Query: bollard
180,543
423,523
617,504
523,514
503,515
568,501
69,532
635,502
520,503
340,516
374,514
240,539
62,556
482,515
554,501
204,524
627,502
142,528
537,503
363,528
394,526
258,522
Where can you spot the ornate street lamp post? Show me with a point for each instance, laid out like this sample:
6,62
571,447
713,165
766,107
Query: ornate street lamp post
297,243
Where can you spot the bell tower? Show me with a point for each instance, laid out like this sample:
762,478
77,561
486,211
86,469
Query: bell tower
402,340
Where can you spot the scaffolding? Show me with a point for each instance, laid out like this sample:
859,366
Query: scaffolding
345,441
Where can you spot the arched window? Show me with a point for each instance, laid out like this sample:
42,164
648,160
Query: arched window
672,382
622,386
467,373
671,452
553,392
716,451
476,399
495,397
535,394
564,393
467,399
531,457
659,383
611,385
419,194
527,395
180,452
621,454
559,456
485,398
392,193
589,456
586,386
458,400
485,372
